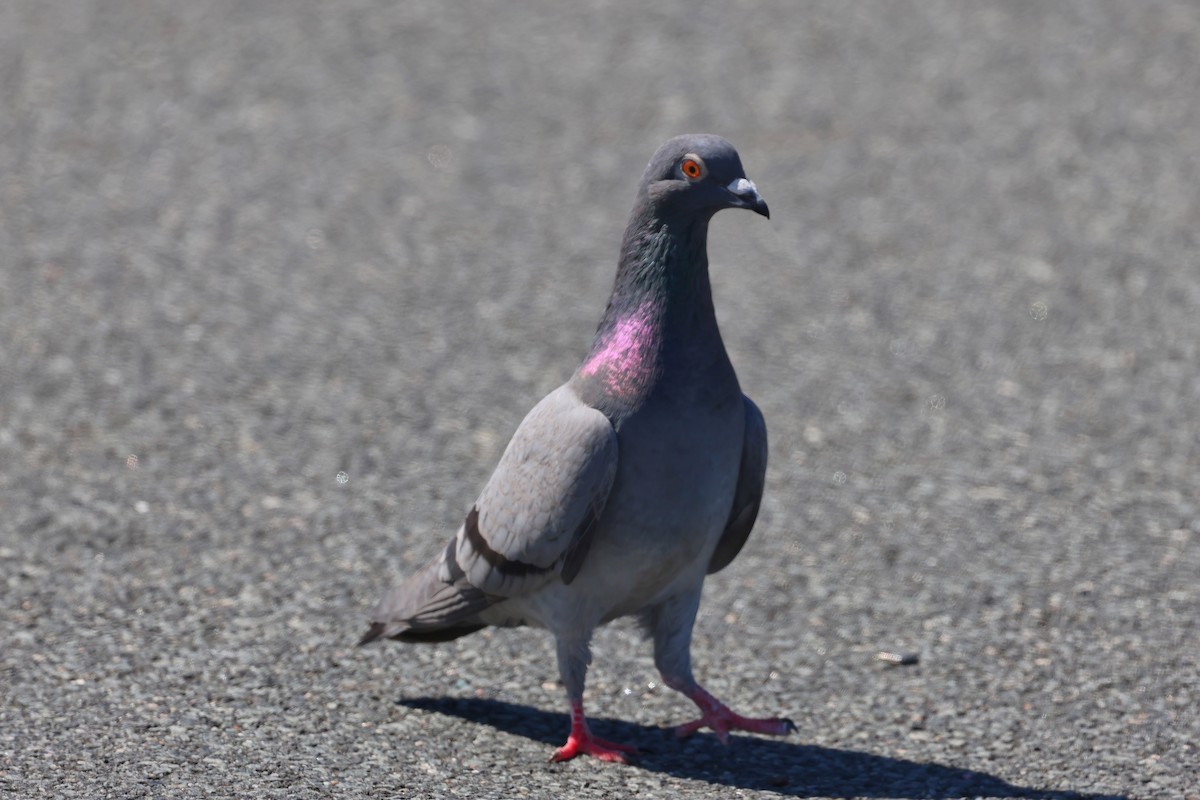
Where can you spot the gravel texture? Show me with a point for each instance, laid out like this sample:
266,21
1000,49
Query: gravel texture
280,278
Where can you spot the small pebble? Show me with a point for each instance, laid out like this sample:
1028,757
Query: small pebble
900,659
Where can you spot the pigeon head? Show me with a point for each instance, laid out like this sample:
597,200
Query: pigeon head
660,327
699,174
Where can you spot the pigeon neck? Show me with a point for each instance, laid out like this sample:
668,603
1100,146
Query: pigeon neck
660,314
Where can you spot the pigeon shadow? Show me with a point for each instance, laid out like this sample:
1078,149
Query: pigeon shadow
760,764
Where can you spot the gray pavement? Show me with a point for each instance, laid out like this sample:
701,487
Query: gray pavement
248,247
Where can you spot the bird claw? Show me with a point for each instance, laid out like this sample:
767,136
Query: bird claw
721,720
597,748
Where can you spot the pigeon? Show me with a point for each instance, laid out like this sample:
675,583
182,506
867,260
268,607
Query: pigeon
629,484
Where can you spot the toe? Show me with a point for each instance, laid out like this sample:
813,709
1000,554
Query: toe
596,748
688,728
621,748
722,721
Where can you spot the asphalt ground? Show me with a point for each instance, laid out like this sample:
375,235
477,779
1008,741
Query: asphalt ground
248,248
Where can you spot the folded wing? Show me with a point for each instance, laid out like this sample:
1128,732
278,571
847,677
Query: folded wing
747,497
531,524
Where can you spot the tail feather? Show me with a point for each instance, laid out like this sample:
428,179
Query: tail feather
438,635
435,605
374,632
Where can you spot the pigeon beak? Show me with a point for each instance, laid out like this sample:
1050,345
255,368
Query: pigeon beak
745,195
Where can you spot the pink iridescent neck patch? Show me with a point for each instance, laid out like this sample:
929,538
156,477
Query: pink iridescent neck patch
625,360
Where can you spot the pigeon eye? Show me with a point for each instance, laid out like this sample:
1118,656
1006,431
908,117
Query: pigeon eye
692,168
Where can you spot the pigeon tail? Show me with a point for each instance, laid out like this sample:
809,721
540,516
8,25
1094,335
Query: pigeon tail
373,633
435,605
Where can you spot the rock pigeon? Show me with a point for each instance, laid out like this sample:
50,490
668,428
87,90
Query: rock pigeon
631,482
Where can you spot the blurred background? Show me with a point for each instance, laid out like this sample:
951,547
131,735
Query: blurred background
278,280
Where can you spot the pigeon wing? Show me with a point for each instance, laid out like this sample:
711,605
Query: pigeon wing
534,518
752,475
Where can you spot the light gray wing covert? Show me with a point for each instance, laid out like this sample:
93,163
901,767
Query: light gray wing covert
533,520
752,476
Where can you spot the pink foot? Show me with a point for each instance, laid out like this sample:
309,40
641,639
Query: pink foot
591,746
582,742
716,715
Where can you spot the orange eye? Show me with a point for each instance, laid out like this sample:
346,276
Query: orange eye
692,168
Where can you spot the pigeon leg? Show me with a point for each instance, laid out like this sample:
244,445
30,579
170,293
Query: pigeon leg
671,624
573,659
716,715
582,742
